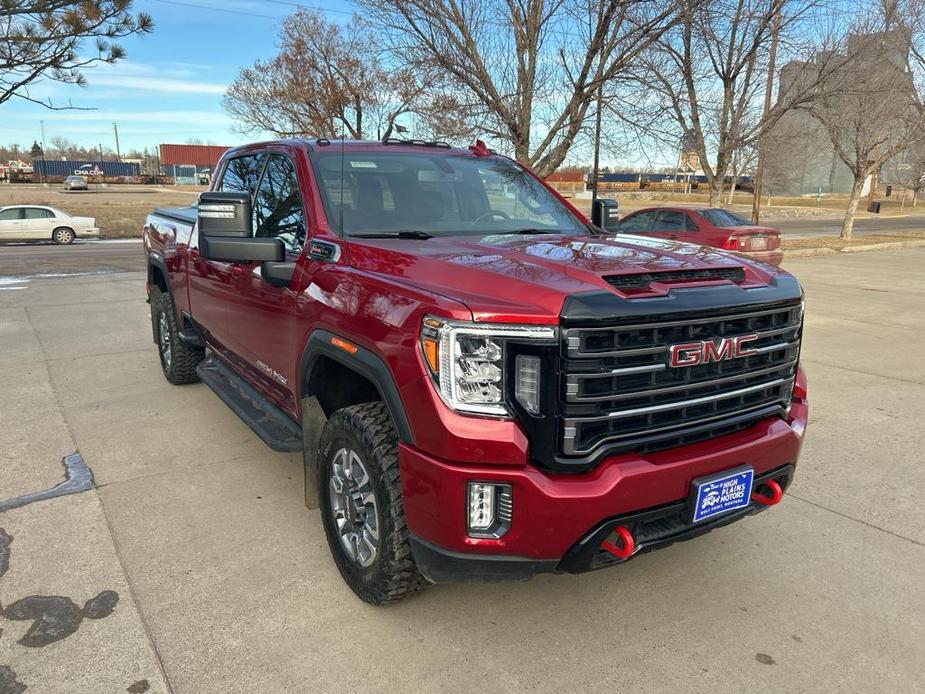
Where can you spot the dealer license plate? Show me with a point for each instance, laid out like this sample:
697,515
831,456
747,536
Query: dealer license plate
717,494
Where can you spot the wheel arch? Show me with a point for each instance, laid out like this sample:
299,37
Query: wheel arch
357,375
157,273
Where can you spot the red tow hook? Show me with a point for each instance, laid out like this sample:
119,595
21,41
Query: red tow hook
776,494
629,544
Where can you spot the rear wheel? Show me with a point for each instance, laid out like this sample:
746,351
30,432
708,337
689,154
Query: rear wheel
62,236
359,491
178,359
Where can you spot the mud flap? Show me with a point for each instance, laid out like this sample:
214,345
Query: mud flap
313,421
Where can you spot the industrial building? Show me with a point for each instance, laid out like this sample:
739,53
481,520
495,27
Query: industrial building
190,164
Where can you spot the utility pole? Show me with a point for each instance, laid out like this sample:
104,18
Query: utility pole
768,93
597,147
44,156
118,153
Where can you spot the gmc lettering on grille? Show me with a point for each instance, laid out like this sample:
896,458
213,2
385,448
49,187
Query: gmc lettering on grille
706,351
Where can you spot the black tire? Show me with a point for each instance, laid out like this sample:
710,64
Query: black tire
368,430
63,236
178,359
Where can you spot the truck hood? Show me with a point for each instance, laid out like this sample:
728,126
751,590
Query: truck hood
527,278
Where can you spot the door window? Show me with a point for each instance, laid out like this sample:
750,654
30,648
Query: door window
241,174
670,222
10,215
38,213
638,223
278,209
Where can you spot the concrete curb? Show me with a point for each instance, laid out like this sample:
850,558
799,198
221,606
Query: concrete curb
890,246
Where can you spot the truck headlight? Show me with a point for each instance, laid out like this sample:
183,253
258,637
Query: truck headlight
467,361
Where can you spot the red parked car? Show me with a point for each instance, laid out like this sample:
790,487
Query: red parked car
707,226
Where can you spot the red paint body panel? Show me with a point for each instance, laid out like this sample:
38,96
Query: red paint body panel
552,512
376,295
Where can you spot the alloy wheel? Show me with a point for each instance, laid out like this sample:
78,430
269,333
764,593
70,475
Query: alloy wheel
354,507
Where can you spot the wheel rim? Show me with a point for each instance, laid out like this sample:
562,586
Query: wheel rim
62,236
354,507
163,339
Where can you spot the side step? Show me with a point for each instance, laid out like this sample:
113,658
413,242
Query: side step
275,427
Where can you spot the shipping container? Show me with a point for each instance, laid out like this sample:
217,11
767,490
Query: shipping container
191,155
59,169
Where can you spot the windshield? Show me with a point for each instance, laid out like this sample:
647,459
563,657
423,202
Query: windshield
724,218
436,194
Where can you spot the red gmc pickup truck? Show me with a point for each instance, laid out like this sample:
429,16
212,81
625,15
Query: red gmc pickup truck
483,384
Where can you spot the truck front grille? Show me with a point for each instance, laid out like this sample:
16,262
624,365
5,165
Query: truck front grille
618,392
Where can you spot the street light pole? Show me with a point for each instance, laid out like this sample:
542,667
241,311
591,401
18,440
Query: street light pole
597,147
768,92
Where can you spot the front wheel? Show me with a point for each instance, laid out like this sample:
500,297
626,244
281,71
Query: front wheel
62,236
359,491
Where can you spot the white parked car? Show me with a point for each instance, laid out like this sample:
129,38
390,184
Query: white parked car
41,223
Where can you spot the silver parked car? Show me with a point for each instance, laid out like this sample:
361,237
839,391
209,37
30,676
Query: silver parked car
41,223
75,183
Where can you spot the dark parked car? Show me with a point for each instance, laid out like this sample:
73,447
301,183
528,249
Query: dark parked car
708,226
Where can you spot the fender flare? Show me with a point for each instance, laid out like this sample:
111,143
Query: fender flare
365,363
156,260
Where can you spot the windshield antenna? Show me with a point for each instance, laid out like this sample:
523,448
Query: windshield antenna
343,140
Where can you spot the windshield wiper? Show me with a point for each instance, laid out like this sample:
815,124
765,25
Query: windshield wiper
527,231
400,234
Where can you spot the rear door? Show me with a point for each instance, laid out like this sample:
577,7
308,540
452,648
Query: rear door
11,224
38,223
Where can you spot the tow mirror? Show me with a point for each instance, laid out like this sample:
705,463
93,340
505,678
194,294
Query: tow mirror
226,231
605,214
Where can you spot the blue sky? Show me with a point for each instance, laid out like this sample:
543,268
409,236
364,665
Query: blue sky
169,87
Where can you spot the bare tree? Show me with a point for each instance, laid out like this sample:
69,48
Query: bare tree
707,76
907,170
873,113
524,73
325,79
44,39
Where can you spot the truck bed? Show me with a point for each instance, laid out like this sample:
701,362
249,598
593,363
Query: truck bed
187,215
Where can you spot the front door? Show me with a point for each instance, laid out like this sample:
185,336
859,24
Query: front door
11,224
264,320
212,282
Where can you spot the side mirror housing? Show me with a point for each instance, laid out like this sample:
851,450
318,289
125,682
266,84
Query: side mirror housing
605,214
225,215
226,231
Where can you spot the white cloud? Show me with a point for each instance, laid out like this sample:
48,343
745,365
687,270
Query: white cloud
157,84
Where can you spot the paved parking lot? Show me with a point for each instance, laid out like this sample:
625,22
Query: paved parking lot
224,583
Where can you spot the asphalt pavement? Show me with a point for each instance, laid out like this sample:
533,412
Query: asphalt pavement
193,565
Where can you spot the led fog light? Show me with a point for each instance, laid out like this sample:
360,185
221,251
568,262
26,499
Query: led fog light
490,507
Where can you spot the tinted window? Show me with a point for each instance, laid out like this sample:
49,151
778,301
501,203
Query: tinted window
724,218
375,192
637,223
37,213
278,205
670,222
241,174
7,215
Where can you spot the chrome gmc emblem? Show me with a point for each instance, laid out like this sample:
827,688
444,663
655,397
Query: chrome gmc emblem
706,351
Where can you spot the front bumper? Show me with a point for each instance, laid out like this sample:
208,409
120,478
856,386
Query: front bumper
558,519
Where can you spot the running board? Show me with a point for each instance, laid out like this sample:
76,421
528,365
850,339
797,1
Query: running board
271,424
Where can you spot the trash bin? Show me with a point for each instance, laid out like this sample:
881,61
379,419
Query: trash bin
605,214
874,207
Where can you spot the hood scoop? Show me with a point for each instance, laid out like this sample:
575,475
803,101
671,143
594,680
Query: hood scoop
642,281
